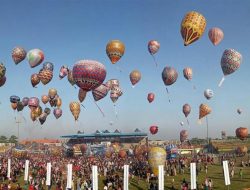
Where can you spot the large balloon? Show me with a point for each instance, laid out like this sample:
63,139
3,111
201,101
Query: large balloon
230,62
25,101
115,50
169,75
89,74
45,99
186,109
242,133
135,77
183,135
63,71
14,99
100,92
115,94
208,93
215,35
2,81
151,97
52,93
70,78
204,110
188,73
193,26
156,157
45,76
153,46
2,70
153,129
35,57
33,102
48,66
18,54
57,113
75,109
81,95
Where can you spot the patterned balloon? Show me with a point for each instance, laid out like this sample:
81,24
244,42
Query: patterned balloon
156,157
52,93
63,71
45,76
37,111
204,110
135,77
34,79
2,81
70,78
14,99
230,61
113,83
33,116
45,99
169,75
89,74
35,57
153,46
2,70
57,113
25,101
208,93
100,92
81,95
183,135
188,73
75,109
115,50
33,102
186,109
48,66
18,54
192,27
115,94
52,102
151,97
215,35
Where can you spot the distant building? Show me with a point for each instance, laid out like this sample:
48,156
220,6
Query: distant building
41,141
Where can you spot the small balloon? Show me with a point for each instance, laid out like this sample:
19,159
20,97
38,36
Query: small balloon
48,66
2,81
35,57
208,93
35,80
18,54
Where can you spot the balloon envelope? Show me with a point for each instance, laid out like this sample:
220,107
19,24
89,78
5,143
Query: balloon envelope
204,110
63,71
188,73
34,79
35,57
25,101
75,109
100,92
169,75
186,109
135,77
2,81
208,93
215,35
156,157
48,66
230,61
57,113
153,47
2,70
151,97
45,76
14,99
18,54
115,50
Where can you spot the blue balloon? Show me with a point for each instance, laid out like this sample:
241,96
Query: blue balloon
14,99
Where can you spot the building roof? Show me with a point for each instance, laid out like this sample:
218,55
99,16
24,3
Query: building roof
41,141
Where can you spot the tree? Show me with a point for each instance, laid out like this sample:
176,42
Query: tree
13,139
3,139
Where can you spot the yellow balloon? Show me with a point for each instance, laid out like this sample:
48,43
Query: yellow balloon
156,157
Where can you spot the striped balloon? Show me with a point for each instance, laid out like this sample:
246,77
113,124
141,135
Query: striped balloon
215,35
230,61
188,73
100,92
153,46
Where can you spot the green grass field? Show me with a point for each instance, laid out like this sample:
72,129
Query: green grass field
214,172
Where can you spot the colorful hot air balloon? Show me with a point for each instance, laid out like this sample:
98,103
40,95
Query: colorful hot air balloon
135,77
89,74
47,111
115,94
34,79
188,73
242,133
215,35
42,118
20,106
115,50
156,157
153,129
58,102
45,76
113,83
14,99
57,113
151,97
48,66
81,95
70,78
208,93
52,93
45,99
186,109
33,103
169,75
100,92
183,135
204,110
25,101
239,111
2,70
18,54
230,62
2,81
35,57
193,26
75,109
63,71
153,46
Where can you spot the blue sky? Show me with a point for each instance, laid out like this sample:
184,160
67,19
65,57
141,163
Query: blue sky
68,31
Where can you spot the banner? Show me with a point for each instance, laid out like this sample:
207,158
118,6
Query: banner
125,176
26,170
9,164
193,175
226,172
95,177
161,177
48,175
69,176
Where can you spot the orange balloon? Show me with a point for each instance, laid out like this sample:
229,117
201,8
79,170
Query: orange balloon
14,106
75,109
59,102
45,99
204,110
115,50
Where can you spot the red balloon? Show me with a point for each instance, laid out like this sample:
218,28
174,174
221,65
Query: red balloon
153,129
151,97
241,133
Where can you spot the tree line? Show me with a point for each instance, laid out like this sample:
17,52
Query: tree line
11,139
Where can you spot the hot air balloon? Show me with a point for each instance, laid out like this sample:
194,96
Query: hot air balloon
100,92
81,95
188,73
18,54
115,50
45,99
57,113
122,153
48,66
37,111
75,109
183,135
239,111
215,35
2,81
25,101
47,111
241,150
42,118
34,79
58,102
14,106
63,71
153,129
186,109
169,75
230,62
52,102
45,76
242,133
115,94
151,97
89,74
33,116
33,103
52,93
70,78
35,57
181,123
113,83
83,148
208,93
2,70
153,47
204,110
14,99
135,77
156,157
19,106
193,26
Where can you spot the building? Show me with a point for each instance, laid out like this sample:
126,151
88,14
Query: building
106,136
